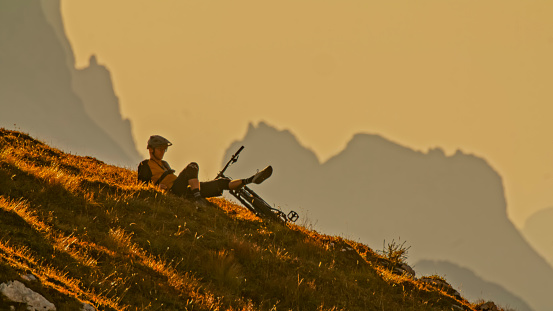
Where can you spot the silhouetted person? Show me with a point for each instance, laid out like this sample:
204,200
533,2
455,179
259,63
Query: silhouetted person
186,184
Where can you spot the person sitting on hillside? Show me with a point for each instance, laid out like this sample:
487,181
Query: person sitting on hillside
186,184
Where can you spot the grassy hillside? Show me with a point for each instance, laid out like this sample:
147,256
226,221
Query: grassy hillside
90,233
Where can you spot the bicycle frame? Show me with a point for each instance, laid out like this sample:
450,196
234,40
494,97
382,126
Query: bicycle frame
253,201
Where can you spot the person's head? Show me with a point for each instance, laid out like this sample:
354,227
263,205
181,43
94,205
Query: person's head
157,146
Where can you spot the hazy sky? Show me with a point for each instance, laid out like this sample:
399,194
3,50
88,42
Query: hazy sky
472,75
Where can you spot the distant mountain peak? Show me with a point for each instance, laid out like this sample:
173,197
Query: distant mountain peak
263,128
364,142
266,138
92,62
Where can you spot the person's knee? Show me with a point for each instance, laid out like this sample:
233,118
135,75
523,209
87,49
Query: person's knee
192,170
223,183
194,166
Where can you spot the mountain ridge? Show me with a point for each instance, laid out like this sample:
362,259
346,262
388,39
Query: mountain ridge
377,190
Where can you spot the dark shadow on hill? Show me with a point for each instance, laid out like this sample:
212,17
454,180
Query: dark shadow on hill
447,208
37,90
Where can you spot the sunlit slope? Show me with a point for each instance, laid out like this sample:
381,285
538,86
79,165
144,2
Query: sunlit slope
90,233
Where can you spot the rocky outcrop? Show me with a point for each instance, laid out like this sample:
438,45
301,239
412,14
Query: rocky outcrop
18,292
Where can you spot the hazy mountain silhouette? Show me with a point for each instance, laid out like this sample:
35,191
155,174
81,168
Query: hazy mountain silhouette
447,208
472,286
93,84
37,93
52,13
537,231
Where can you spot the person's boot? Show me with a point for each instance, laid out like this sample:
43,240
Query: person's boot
260,176
201,203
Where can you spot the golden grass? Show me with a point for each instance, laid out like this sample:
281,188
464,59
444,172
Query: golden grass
23,260
223,258
69,244
183,283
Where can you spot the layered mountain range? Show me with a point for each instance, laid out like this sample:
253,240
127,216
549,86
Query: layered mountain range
446,208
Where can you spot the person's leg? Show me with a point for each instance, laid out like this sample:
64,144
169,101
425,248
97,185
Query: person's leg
258,177
214,188
235,184
188,177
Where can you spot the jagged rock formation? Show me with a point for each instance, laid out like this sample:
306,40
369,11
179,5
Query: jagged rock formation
448,208
36,87
93,84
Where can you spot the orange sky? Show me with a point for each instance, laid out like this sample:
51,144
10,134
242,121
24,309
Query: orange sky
471,75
